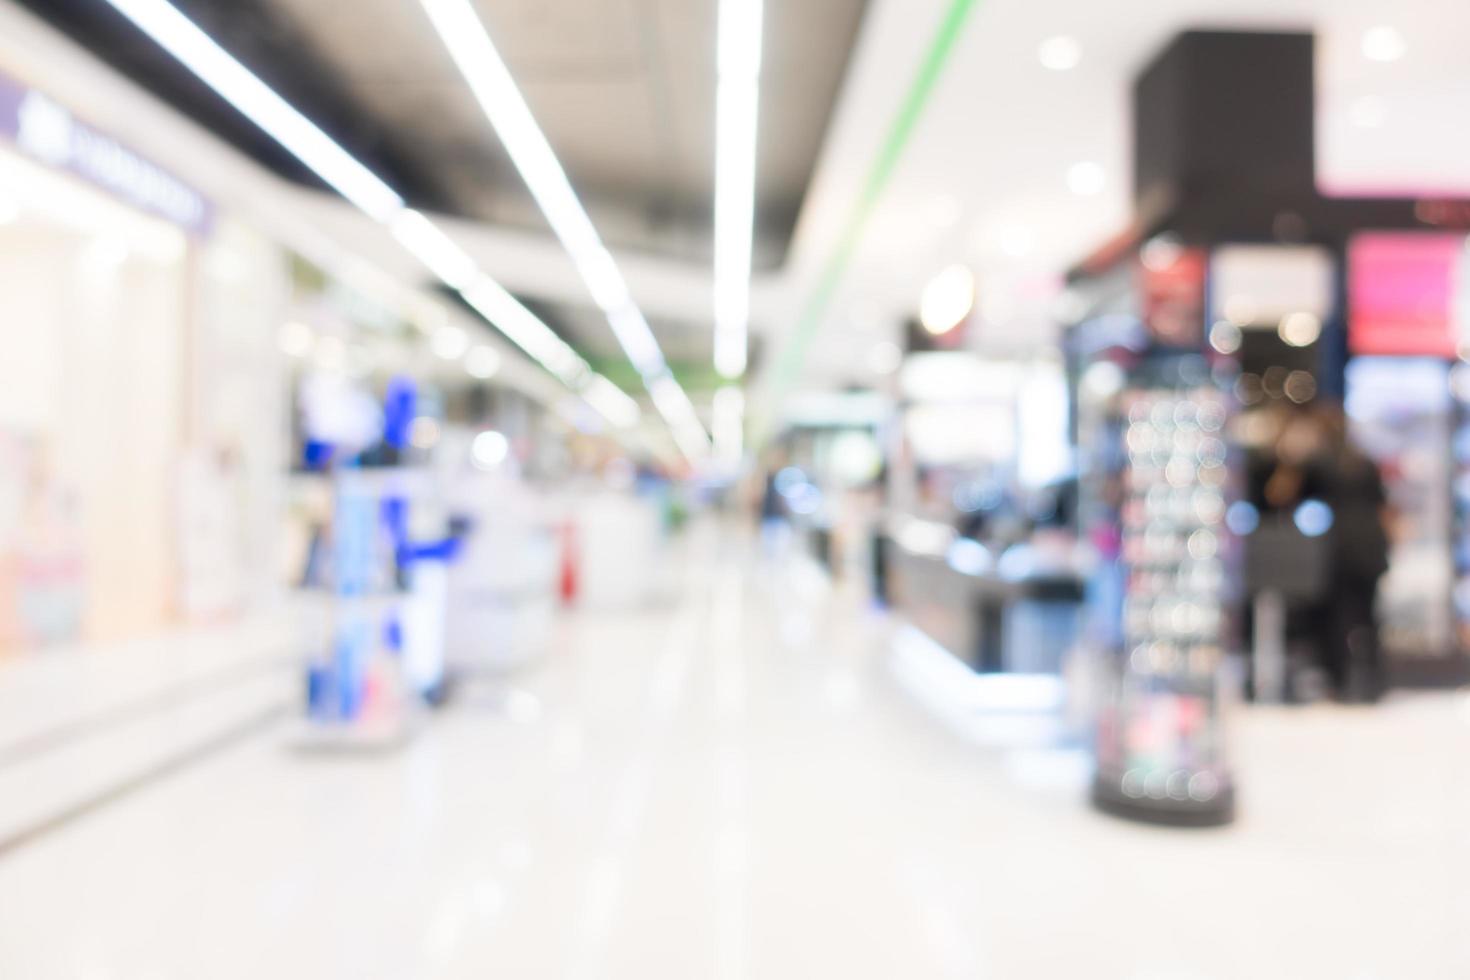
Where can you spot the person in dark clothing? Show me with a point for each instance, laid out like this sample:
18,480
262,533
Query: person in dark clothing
1354,490
772,506
775,519
1314,461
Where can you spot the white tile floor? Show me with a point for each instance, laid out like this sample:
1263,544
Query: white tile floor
735,786
75,723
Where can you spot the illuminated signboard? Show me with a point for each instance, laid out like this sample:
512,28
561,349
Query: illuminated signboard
1404,293
1171,286
46,131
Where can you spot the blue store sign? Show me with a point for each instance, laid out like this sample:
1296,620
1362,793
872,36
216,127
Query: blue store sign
47,131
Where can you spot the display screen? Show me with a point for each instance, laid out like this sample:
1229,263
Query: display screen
1403,293
1399,413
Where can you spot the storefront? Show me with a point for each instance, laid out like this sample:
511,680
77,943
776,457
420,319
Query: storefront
1229,511
131,388
1406,396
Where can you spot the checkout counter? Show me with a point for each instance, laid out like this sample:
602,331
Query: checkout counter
1017,611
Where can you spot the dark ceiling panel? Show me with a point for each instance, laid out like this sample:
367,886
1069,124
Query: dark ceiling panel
624,90
271,47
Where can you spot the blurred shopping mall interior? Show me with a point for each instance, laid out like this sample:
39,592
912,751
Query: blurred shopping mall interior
734,489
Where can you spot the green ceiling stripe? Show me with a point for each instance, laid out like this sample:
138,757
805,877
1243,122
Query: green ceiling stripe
899,133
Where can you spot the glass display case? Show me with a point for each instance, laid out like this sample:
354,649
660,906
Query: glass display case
1399,414
1157,484
1459,462
1406,397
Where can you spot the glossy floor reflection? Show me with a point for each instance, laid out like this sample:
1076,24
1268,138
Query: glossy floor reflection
734,784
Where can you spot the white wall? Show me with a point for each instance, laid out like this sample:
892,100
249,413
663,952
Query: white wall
239,401
91,327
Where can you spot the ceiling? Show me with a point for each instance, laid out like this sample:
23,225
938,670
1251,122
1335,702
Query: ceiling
983,178
624,90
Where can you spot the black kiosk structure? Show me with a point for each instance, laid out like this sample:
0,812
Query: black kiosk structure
1229,289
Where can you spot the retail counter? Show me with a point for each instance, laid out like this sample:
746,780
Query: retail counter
1015,613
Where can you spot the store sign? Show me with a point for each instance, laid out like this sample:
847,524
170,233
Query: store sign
1402,293
1260,285
1171,286
47,131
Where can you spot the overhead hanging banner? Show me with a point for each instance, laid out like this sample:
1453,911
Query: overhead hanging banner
46,131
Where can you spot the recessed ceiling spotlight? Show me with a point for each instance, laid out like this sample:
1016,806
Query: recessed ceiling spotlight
884,357
449,343
1016,241
1086,178
947,300
1384,43
945,211
482,361
296,339
1060,53
1369,112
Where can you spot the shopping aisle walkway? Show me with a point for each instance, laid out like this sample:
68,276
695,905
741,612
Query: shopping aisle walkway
734,785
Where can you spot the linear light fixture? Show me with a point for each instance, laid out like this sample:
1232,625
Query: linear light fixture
612,401
436,250
497,305
674,405
217,68
490,81
737,103
729,424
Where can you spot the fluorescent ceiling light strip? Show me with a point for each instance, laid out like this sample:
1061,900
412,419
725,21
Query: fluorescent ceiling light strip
900,131
177,35
692,442
674,405
434,248
734,215
729,423
522,326
198,52
490,81
614,403
736,123
637,340
738,52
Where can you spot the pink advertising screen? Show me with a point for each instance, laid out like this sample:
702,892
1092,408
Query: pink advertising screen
1402,293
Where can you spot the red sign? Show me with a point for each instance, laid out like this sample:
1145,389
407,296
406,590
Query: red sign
1173,293
1401,293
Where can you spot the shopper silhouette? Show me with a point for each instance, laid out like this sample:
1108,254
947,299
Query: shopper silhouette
1317,466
